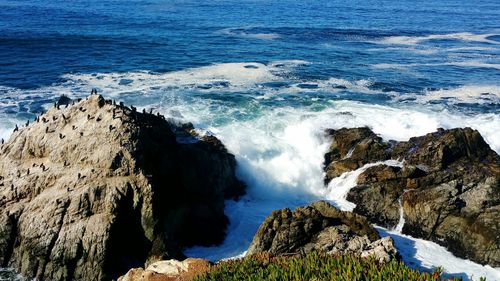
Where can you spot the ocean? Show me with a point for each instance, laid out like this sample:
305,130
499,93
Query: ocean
268,77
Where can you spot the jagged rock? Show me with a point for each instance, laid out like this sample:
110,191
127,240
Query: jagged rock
64,100
449,185
320,227
351,149
92,190
168,270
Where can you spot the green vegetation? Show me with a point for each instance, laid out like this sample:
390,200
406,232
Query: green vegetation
314,266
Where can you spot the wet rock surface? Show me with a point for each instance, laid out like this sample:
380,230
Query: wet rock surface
449,186
320,227
92,189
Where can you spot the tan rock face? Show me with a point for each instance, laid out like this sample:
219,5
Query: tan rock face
320,227
168,270
91,190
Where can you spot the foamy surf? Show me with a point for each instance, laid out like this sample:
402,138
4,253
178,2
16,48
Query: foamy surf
222,77
427,255
245,32
280,156
339,187
465,94
459,36
467,63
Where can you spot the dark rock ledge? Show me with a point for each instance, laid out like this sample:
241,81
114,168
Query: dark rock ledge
92,189
449,186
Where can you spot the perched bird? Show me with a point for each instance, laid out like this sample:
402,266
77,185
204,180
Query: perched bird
16,128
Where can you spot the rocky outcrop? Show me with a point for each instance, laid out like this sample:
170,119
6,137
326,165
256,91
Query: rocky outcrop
92,189
320,227
351,149
168,270
448,186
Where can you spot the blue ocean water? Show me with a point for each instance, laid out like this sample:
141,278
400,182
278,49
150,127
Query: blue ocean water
264,76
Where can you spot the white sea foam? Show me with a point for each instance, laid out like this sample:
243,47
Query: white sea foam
466,63
339,187
470,48
245,32
423,50
432,50
401,222
474,63
427,255
463,94
224,76
399,66
331,85
461,36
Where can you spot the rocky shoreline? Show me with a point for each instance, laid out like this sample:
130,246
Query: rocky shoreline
94,190
447,188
